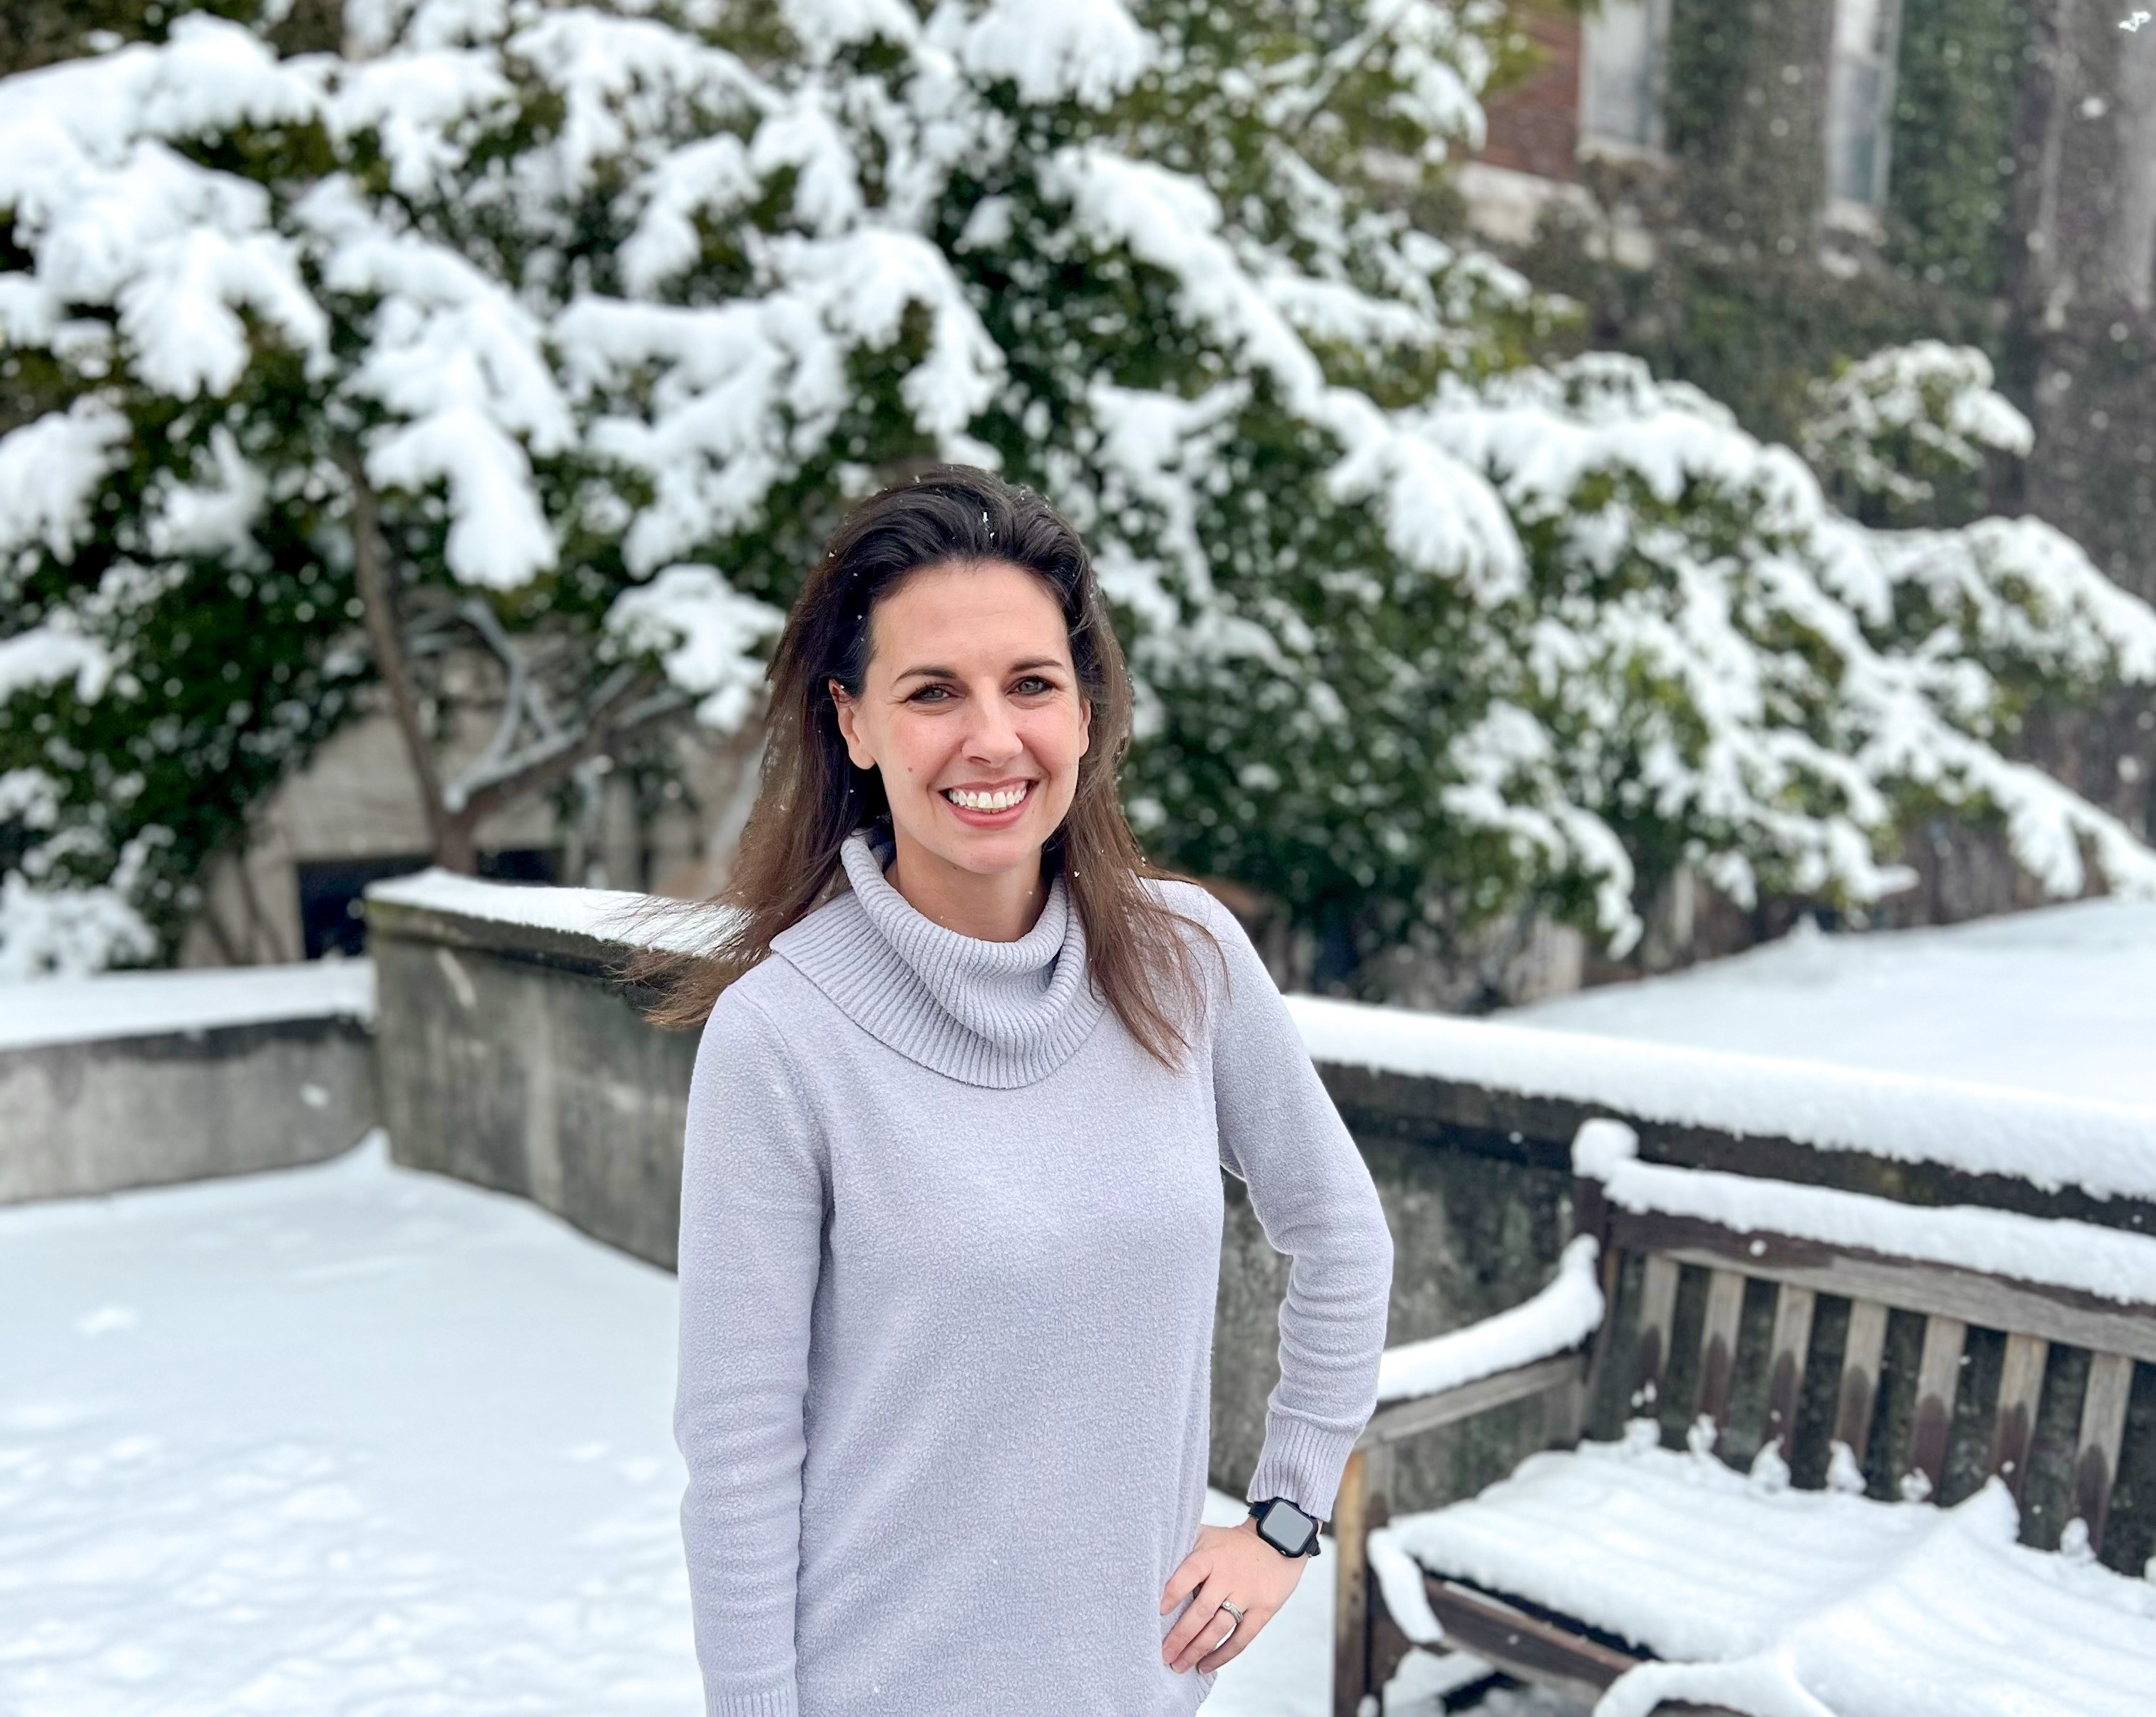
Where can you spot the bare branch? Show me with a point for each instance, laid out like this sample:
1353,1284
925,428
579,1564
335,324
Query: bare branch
523,700
379,599
630,705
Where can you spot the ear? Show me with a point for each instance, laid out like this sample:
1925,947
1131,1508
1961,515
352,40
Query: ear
849,726
1084,723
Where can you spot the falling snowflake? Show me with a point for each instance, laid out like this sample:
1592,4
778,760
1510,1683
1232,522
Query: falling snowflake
2134,20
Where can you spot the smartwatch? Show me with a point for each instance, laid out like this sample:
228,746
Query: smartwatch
1286,1527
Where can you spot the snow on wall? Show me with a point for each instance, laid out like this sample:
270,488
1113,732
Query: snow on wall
605,915
2107,1149
138,1004
2106,1262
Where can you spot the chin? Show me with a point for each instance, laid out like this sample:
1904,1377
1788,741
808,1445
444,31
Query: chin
991,852
985,852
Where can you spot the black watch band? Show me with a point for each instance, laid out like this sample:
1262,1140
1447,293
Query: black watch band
1286,1527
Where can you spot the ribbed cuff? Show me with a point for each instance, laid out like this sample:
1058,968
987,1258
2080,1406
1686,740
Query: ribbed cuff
773,1702
1302,1462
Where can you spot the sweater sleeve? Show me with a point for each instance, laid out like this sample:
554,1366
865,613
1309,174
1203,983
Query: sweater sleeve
753,1183
1280,1135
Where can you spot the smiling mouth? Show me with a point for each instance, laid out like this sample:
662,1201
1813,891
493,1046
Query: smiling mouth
1002,799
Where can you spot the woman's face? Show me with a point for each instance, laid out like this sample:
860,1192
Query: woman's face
970,690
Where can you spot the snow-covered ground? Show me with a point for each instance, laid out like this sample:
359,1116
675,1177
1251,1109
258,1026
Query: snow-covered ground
2062,999
355,1440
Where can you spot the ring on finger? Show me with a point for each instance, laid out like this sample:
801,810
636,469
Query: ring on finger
1236,1623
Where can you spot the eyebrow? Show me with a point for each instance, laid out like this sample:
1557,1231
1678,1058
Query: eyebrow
953,672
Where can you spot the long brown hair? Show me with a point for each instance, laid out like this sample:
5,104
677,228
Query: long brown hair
811,795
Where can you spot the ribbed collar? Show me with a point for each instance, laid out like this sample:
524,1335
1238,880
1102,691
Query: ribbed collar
998,1014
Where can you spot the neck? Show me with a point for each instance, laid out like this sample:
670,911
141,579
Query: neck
998,906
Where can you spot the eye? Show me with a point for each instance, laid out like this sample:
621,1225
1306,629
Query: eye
1035,680
923,692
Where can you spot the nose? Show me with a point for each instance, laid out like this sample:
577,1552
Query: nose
992,736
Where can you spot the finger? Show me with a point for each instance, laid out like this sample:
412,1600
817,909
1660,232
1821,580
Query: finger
1231,1649
1187,1578
1196,1628
1216,1641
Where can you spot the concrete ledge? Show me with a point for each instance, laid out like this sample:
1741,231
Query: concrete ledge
88,1117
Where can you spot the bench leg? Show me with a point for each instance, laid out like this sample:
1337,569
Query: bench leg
1350,1592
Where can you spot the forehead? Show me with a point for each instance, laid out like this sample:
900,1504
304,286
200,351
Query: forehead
966,612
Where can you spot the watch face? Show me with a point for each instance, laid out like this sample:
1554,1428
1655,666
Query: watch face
1286,1529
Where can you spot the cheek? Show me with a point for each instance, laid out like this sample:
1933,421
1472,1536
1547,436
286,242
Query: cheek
1055,740
918,745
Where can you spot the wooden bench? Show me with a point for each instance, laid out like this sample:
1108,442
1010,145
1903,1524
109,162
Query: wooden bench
1671,1250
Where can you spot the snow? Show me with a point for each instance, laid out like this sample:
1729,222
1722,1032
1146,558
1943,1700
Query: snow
606,915
45,654
350,1440
704,632
1089,51
139,1004
2059,999
68,932
1788,1603
2107,1263
1562,1316
2106,1148
345,1440
1898,393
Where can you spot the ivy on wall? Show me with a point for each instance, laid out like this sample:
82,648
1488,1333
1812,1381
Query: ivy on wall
1952,165
1748,296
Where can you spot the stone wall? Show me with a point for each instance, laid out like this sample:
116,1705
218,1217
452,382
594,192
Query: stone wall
90,1117
510,1059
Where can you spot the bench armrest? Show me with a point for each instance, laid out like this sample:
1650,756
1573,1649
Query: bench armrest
1523,1351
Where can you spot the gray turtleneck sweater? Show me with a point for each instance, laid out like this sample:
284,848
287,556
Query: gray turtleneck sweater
950,1252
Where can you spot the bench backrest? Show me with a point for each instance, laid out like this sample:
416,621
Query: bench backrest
1816,1336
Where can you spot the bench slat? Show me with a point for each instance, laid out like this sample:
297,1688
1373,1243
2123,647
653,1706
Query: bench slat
1785,1365
1658,1306
1938,1379
2063,1315
1717,1348
2014,1428
1535,1650
1859,1375
2104,1428
1448,1407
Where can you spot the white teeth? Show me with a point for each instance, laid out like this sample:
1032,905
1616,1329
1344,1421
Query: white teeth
987,802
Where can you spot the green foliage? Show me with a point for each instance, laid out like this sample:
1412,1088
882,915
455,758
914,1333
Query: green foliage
1951,165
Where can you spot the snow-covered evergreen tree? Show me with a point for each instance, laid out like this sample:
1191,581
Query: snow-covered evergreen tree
565,333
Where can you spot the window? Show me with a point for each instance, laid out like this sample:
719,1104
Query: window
1620,80
1860,100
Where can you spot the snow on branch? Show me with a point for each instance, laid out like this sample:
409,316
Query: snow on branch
601,301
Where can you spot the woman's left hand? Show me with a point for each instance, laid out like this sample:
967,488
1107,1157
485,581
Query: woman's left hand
1230,1562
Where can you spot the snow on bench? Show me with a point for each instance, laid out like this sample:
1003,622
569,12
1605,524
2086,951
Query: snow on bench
1751,1597
1773,1601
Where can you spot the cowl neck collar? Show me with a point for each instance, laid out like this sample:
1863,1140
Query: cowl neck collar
998,1014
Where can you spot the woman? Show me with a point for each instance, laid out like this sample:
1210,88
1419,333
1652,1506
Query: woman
951,1201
